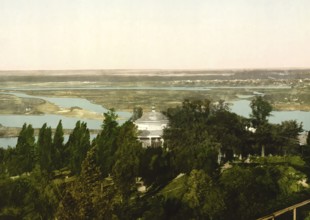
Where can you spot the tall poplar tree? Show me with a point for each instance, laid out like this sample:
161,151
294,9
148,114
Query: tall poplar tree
59,147
25,150
46,153
106,142
78,144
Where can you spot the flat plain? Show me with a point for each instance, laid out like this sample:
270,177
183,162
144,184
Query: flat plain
125,89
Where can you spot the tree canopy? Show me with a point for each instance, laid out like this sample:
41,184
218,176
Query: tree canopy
209,168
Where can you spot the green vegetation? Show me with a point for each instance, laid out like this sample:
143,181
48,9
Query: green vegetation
78,145
137,113
209,168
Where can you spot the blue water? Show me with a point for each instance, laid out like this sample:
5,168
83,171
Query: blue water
51,119
242,107
72,102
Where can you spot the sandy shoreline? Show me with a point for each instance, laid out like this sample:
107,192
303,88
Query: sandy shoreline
291,107
49,108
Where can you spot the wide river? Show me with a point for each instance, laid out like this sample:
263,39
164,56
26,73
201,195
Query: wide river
241,107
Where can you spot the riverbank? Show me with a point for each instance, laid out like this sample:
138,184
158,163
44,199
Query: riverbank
126,99
12,132
79,113
291,107
11,104
125,89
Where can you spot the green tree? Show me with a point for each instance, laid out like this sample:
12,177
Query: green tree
202,197
10,162
268,183
190,113
261,110
137,113
126,167
188,139
46,153
90,179
287,136
220,106
25,150
88,196
264,138
43,196
106,142
155,167
59,147
28,197
306,150
2,162
229,130
247,190
78,145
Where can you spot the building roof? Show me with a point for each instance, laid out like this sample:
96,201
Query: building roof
151,124
152,117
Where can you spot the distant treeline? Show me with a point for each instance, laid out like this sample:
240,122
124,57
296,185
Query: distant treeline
151,75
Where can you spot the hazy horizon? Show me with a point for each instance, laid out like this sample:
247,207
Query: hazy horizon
124,72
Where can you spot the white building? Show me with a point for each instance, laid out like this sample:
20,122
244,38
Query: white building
151,126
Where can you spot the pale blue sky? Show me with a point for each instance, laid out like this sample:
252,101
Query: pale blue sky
143,34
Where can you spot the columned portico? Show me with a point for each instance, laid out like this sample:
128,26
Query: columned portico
150,127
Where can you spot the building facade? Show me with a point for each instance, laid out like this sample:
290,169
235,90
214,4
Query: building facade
151,126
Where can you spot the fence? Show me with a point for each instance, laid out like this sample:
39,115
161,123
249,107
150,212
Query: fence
282,211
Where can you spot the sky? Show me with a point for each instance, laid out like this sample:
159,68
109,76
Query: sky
154,34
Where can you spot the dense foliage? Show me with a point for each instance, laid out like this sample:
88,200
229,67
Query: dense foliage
212,166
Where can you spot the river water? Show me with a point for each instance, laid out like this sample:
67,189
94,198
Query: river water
72,102
241,107
52,120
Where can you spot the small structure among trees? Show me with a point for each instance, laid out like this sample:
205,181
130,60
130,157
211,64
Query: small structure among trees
151,126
